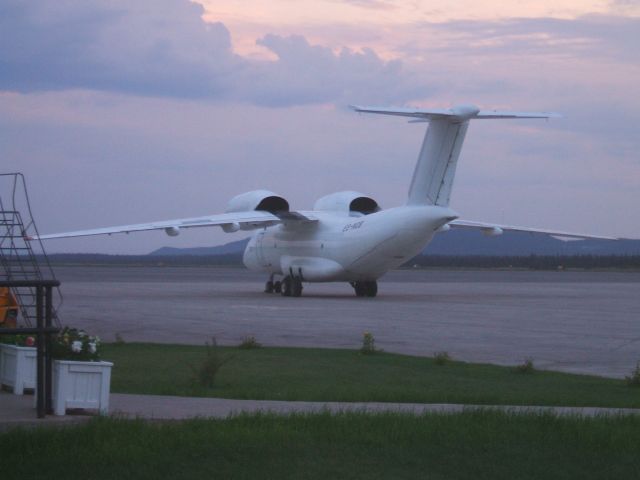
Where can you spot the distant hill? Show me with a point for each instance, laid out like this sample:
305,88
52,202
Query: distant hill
456,248
469,242
465,243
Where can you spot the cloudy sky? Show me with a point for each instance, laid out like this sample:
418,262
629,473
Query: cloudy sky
130,111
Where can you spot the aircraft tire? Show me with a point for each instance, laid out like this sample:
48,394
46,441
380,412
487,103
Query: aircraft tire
285,288
277,286
296,287
371,288
360,288
268,287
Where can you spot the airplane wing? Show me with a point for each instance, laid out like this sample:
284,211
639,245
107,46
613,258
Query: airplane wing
230,222
497,229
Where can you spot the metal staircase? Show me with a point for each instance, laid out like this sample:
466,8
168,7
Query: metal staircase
20,258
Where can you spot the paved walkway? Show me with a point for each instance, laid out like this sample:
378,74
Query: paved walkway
18,410
166,407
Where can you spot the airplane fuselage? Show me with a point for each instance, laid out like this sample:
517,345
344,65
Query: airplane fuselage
343,247
347,237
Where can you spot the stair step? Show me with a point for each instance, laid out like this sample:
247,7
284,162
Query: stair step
18,260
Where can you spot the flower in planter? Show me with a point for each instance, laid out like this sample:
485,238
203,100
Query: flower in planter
18,340
75,344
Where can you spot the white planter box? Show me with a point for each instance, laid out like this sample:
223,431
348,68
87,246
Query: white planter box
18,367
81,385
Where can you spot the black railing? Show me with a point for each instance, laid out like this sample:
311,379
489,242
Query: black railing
43,332
21,258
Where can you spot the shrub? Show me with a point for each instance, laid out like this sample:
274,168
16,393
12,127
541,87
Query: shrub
205,373
525,367
634,379
249,342
368,344
441,358
119,339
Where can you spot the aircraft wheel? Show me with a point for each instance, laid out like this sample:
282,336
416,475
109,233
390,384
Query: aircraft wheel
371,289
268,287
365,289
277,287
360,289
285,288
296,287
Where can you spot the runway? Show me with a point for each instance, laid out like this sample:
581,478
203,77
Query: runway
583,322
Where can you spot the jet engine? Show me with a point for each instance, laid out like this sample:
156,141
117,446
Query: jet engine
263,200
351,203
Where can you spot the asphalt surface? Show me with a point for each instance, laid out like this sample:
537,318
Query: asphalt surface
582,322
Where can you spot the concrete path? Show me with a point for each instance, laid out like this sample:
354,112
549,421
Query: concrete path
19,410
179,408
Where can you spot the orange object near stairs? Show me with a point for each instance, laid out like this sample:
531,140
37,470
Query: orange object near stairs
8,308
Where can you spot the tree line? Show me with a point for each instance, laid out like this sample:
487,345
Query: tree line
533,262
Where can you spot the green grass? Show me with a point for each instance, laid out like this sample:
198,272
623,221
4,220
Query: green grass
479,445
347,375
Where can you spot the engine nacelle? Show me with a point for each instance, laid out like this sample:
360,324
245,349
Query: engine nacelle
348,202
263,200
231,227
492,231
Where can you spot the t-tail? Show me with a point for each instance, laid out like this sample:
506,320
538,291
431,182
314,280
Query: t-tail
436,167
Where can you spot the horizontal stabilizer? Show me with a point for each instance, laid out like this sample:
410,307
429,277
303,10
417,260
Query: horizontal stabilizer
435,170
461,112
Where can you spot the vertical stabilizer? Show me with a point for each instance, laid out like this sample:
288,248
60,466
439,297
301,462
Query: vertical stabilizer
436,167
435,170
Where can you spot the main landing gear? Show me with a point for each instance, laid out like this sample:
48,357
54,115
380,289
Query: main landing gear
289,286
365,289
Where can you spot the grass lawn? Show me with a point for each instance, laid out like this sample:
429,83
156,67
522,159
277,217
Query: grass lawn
347,375
479,445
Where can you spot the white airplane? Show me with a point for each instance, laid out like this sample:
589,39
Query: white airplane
348,237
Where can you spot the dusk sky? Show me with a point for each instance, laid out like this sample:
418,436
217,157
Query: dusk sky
123,112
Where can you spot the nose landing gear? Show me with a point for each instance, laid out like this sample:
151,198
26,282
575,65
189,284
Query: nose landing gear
273,286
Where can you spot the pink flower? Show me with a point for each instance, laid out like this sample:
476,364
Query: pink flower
30,341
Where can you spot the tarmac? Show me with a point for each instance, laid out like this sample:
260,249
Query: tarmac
578,322
19,411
